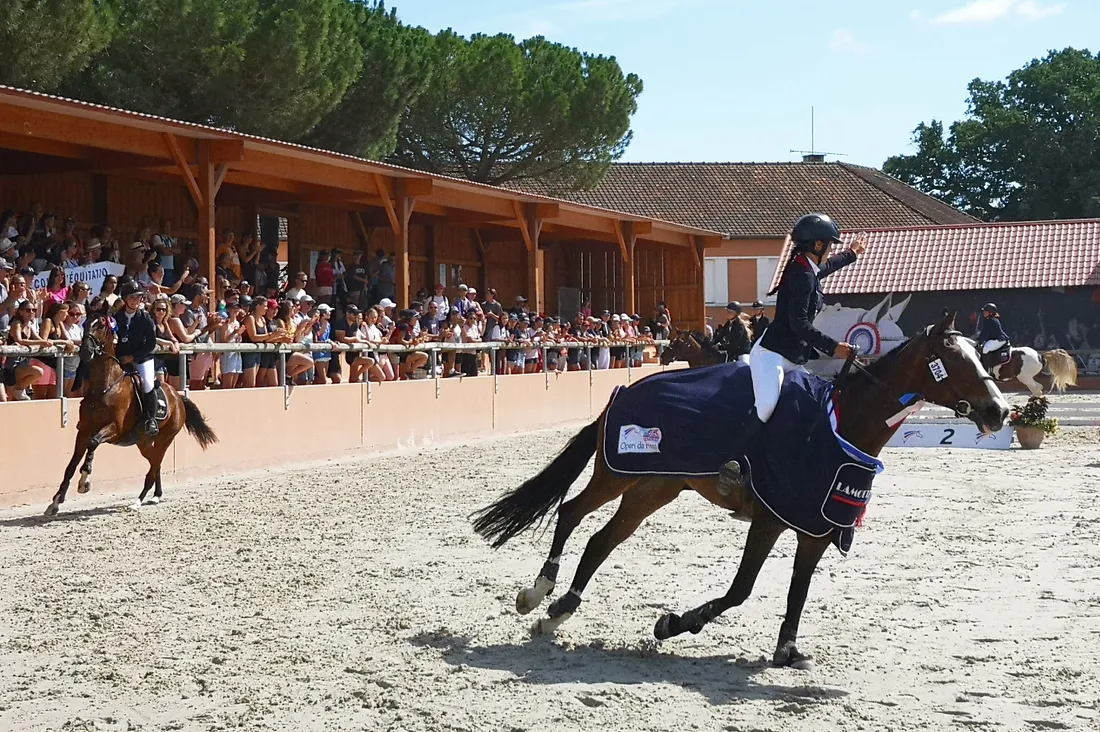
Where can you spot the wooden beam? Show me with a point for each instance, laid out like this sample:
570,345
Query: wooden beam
627,239
418,187
404,208
225,151
360,229
521,219
185,170
384,192
547,210
219,176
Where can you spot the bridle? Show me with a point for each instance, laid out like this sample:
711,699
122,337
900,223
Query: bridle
962,408
96,349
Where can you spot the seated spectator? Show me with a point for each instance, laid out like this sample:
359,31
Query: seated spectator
166,366
349,330
402,334
22,372
372,333
56,289
56,327
296,363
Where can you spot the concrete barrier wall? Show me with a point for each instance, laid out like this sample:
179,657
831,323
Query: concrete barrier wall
255,429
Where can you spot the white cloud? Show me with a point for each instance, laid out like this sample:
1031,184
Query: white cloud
842,41
989,11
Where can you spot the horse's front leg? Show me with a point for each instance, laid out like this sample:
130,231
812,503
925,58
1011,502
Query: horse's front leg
763,533
808,554
105,434
79,449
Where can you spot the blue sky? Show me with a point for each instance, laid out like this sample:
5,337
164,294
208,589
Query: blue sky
734,80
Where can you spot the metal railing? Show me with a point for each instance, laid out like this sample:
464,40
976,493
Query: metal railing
284,350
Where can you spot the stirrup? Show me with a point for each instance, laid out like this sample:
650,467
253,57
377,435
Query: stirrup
730,479
151,428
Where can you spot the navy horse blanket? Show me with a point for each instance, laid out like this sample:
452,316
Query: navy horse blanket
683,423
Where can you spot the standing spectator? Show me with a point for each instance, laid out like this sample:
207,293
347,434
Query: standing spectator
56,289
229,330
164,244
325,274
297,287
250,250
296,363
167,366
228,246
109,290
442,305
358,282
340,271
195,318
372,333
387,276
322,333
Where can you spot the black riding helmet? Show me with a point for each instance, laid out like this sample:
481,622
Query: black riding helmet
734,307
989,308
129,288
812,228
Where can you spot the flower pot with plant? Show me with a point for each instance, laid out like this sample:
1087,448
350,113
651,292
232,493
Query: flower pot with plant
1032,423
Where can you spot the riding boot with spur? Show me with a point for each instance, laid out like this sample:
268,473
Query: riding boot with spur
149,412
729,476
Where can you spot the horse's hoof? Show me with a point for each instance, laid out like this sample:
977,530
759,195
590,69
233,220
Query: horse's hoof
51,510
136,505
791,658
666,626
84,484
154,501
527,600
548,626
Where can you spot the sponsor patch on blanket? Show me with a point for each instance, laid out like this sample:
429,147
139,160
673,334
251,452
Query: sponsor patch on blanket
633,438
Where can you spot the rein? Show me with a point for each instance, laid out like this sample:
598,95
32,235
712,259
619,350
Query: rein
913,401
96,350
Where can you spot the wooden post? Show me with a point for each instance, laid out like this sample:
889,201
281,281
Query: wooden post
403,208
431,231
530,226
207,243
627,239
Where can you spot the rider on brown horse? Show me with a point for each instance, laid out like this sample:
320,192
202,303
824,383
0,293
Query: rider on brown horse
792,339
137,339
732,337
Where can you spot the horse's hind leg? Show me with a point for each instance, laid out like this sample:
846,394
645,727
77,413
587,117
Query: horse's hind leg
638,503
763,533
806,558
154,453
601,489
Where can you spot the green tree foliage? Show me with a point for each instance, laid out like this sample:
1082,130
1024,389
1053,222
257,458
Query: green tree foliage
396,67
44,42
497,111
269,67
1030,148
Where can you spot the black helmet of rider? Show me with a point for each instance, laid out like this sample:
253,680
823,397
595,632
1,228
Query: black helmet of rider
813,228
758,305
734,307
130,288
989,308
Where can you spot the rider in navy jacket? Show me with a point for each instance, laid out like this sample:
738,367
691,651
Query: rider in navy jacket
800,298
991,334
137,339
791,339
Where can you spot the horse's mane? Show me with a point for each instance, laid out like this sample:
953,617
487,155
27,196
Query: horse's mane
881,365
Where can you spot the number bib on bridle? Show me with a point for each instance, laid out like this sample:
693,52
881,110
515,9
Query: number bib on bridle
683,423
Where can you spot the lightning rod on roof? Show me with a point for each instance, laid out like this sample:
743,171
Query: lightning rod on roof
813,155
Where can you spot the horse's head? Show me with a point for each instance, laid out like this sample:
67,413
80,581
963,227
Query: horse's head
674,350
99,337
945,369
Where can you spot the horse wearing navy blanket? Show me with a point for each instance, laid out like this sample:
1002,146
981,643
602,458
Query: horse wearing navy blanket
865,406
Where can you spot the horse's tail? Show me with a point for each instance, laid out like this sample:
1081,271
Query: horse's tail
196,424
534,499
1062,367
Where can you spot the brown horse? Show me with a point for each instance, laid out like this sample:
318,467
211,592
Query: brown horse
110,412
693,347
865,399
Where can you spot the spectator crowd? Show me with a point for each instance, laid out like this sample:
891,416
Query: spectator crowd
343,305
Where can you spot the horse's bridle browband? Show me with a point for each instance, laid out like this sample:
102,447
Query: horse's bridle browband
962,407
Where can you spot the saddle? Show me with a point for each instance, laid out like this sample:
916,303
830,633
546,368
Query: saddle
160,413
993,359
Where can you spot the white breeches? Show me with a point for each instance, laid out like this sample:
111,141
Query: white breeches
145,372
991,346
768,369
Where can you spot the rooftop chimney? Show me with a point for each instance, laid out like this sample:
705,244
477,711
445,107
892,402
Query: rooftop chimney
814,158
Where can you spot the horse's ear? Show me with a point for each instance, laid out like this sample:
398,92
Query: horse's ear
945,325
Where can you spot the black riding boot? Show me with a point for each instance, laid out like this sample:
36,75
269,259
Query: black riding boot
729,477
149,411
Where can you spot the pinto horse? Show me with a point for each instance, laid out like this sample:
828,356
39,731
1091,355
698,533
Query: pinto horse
110,412
866,398
693,347
1026,364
